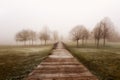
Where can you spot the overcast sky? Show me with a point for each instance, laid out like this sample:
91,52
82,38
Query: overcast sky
61,15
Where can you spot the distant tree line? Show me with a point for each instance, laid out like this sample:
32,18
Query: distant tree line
104,30
31,36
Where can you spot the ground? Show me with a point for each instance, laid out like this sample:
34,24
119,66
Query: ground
103,62
17,62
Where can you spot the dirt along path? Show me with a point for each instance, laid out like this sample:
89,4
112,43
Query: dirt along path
61,65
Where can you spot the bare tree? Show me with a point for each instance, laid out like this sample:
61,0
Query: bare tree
55,36
79,32
32,36
107,29
75,33
41,37
97,32
22,36
45,34
84,34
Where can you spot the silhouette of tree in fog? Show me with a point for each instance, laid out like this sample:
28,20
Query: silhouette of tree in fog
41,37
104,30
97,32
45,34
84,34
22,36
55,36
79,32
108,30
75,33
32,36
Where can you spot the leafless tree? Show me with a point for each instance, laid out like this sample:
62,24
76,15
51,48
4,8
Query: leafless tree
79,32
41,37
45,34
55,36
108,30
22,36
75,33
97,32
32,36
84,34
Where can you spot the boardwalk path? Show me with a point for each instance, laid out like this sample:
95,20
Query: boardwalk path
61,65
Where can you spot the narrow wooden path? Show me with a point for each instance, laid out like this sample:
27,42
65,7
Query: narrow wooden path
61,65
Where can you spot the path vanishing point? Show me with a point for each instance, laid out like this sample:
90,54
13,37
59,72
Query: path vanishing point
61,65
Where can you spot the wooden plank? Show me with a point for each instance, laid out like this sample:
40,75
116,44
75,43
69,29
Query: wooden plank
61,65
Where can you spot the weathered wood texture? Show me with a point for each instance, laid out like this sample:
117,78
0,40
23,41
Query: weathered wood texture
61,65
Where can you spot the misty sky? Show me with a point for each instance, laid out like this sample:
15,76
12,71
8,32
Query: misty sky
61,15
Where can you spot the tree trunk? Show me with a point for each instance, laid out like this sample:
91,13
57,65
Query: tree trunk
97,43
86,42
45,42
32,42
24,43
29,43
17,43
104,41
77,43
104,37
83,42
41,42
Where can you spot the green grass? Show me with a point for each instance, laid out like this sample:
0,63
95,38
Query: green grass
103,62
17,62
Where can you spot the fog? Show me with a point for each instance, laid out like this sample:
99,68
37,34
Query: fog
61,15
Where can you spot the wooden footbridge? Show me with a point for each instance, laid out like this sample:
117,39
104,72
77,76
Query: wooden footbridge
61,65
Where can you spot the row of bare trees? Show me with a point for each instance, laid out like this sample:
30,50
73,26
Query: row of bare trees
79,32
103,30
26,35
31,36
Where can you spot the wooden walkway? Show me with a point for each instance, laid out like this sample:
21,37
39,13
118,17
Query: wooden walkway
61,65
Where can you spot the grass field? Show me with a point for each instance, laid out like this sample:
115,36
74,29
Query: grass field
17,62
103,62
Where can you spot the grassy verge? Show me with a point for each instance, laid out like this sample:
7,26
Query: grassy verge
17,62
103,62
